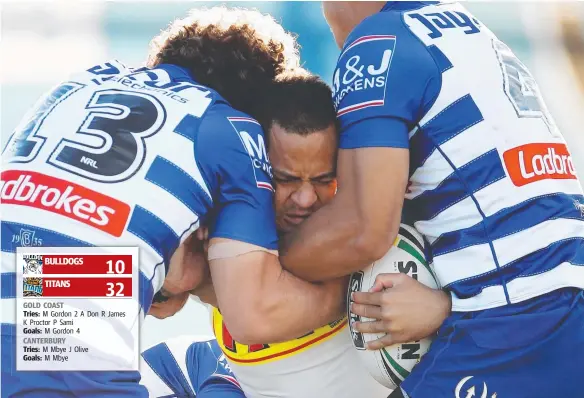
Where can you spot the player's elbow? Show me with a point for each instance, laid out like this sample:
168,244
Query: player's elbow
253,328
255,335
246,334
372,244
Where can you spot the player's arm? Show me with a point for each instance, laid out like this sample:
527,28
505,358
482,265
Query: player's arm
260,302
260,269
361,222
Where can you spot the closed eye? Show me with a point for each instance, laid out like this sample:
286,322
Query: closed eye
323,181
284,180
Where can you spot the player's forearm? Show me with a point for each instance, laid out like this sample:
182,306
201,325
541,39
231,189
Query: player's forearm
261,303
292,307
341,245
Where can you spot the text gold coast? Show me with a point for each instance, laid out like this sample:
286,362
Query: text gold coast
44,305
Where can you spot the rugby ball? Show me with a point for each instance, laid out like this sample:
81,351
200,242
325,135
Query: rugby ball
391,365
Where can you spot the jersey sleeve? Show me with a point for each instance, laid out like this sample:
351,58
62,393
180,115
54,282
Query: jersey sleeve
215,377
188,366
231,153
163,370
384,82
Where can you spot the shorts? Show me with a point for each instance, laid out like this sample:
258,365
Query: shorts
533,349
17,384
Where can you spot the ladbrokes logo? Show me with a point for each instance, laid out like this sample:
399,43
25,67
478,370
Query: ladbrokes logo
536,162
52,194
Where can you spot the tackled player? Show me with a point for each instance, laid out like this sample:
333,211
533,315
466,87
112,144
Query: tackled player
302,136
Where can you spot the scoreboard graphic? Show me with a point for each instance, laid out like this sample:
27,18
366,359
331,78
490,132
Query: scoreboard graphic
77,309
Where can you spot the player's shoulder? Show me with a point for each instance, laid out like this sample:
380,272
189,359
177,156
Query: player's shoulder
104,71
381,34
224,127
222,116
382,54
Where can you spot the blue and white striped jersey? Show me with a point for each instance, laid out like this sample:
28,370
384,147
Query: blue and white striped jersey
122,157
492,185
188,366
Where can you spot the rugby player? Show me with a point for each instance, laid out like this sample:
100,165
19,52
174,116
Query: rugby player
103,157
302,145
300,123
433,105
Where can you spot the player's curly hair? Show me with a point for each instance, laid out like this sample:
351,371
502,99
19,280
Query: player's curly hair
234,51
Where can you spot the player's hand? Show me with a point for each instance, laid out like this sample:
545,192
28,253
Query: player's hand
170,307
202,235
188,267
404,309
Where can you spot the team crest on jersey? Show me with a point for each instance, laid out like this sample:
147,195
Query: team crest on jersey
362,71
256,148
32,287
26,237
33,264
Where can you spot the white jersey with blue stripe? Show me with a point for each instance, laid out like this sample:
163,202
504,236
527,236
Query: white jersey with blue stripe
492,185
188,366
122,157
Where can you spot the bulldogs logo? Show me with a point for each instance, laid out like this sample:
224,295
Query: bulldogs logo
33,264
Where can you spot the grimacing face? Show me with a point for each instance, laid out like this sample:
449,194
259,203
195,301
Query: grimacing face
303,170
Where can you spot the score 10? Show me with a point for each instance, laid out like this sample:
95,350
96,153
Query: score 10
94,264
